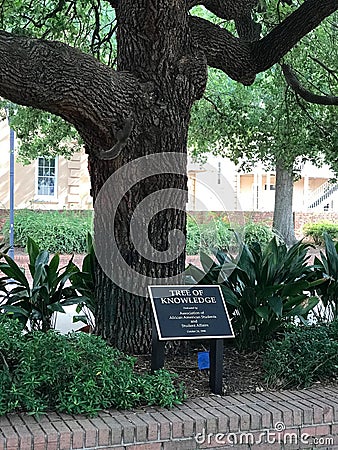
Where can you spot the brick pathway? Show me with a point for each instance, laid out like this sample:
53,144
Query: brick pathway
21,258
289,420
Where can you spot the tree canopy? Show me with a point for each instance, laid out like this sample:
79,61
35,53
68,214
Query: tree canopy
270,120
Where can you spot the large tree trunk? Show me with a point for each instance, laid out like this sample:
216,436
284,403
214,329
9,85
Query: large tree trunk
283,215
134,256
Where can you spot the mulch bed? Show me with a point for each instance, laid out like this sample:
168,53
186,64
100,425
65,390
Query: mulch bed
242,373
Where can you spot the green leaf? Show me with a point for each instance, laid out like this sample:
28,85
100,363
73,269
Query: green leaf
80,318
53,266
32,250
56,307
276,304
14,271
229,296
207,262
263,312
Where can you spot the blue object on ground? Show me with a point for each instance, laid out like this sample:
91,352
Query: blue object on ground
203,360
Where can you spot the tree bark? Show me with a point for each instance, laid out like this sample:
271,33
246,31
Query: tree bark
283,221
176,75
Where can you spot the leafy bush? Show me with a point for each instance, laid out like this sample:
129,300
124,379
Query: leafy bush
63,232
36,304
76,373
306,354
206,236
83,282
327,266
267,287
257,232
317,230
217,234
193,237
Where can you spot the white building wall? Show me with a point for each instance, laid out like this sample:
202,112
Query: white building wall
212,186
218,186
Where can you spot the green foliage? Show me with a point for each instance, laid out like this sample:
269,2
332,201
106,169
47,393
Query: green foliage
77,373
37,304
55,231
83,282
317,230
193,241
88,26
42,134
85,25
267,122
217,234
305,355
327,267
265,288
257,232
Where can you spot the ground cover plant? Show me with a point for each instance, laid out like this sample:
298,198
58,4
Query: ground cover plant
74,373
54,231
305,354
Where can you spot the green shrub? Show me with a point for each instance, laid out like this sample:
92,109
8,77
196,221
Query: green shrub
218,234
257,232
305,355
317,230
37,302
63,232
215,234
193,237
267,287
76,373
327,267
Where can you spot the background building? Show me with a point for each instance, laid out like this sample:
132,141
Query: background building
59,184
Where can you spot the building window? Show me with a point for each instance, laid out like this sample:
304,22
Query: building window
46,180
272,187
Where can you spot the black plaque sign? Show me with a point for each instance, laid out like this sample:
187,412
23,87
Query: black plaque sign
190,312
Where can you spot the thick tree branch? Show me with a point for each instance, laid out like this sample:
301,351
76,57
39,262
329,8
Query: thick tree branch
242,60
223,50
284,36
227,9
247,28
64,81
308,96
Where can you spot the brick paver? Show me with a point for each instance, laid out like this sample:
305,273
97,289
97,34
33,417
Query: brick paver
288,420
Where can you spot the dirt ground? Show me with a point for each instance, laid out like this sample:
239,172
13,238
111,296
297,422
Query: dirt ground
241,372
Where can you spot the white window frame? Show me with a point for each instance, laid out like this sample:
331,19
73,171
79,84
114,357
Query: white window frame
47,198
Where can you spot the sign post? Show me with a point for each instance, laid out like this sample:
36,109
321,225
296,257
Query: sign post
190,312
